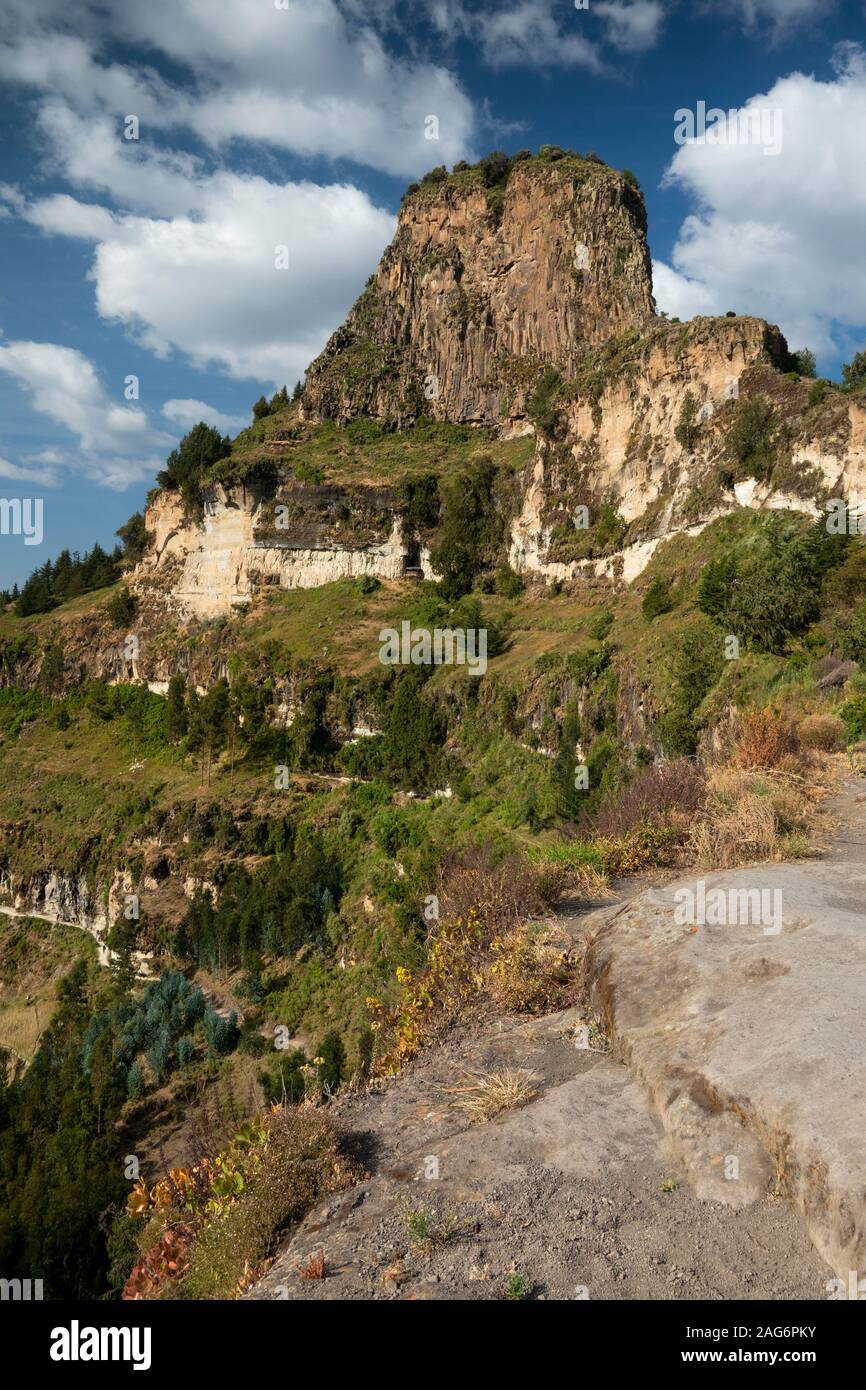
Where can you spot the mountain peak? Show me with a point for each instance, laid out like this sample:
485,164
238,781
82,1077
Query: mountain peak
496,270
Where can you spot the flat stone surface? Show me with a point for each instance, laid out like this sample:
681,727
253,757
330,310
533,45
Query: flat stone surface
576,1191
751,1041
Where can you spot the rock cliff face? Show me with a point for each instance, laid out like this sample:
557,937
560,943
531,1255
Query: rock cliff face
522,307
291,537
616,440
471,296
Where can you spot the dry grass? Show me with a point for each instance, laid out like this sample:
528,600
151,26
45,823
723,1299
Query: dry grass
302,1162
528,971
592,882
314,1267
751,815
22,1025
483,1097
823,732
765,738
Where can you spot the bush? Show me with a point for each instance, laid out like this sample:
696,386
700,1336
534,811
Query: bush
134,537
773,592
609,527
854,372
750,815
471,528
434,176
676,788
541,403
750,438
600,625
853,715
803,362
122,608
687,425
657,599
301,1162
824,732
696,663
765,738
508,582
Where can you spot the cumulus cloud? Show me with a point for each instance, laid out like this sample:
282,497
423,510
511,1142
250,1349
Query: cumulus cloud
781,15
524,33
780,236
207,283
632,25
529,34
29,473
312,78
117,445
187,413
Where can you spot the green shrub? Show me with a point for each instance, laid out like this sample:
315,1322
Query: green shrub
601,625
771,591
686,430
471,528
122,608
750,438
854,372
508,582
803,362
695,663
301,1163
541,403
657,599
608,528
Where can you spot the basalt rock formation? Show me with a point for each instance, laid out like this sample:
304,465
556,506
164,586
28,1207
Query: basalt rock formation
515,303
480,286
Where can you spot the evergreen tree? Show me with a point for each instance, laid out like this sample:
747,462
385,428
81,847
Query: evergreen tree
176,708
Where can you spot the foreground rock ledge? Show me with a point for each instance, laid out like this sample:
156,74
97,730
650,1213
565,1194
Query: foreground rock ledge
751,1044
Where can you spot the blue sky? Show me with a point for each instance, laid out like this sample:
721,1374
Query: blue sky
275,122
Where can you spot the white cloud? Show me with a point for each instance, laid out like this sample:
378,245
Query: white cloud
527,34
780,236
187,413
310,78
29,473
117,445
205,283
548,33
632,25
781,15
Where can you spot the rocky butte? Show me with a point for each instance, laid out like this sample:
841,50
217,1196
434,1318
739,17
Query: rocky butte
515,301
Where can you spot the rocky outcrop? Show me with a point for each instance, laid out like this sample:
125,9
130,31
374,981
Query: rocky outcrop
525,305
471,297
71,900
700,1002
289,537
616,441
